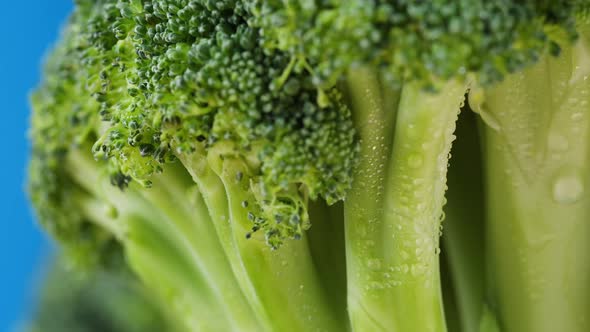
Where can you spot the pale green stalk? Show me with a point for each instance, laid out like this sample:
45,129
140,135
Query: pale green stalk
183,237
393,211
281,285
537,153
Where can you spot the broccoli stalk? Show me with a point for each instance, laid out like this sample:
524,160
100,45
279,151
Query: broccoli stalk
300,301
536,156
393,212
222,131
187,267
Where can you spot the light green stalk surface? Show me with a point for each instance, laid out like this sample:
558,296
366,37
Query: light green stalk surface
537,150
299,304
171,244
393,212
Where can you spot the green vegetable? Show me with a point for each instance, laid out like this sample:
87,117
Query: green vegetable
102,301
282,165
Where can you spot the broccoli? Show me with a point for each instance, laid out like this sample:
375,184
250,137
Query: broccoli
282,165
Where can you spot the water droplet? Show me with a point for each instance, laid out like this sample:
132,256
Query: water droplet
557,142
577,116
374,264
418,251
404,255
411,131
362,231
415,160
567,188
416,270
374,285
404,268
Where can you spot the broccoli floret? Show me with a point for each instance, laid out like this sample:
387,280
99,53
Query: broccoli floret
415,40
153,96
202,139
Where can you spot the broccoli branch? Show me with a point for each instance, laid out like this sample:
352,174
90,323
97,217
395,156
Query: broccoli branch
537,157
394,209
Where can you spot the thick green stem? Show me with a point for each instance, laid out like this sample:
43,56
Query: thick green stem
160,264
166,208
216,201
393,211
281,285
192,223
537,151
283,278
165,270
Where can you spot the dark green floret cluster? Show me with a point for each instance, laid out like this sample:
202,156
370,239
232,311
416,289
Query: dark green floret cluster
415,40
282,165
168,76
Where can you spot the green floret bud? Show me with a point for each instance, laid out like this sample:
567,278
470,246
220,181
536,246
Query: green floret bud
413,41
64,117
170,75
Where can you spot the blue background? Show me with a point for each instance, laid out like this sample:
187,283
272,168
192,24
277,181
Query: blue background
29,29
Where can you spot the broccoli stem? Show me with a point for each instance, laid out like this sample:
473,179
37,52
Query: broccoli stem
216,201
96,210
193,223
162,266
282,286
180,229
166,270
392,230
537,151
